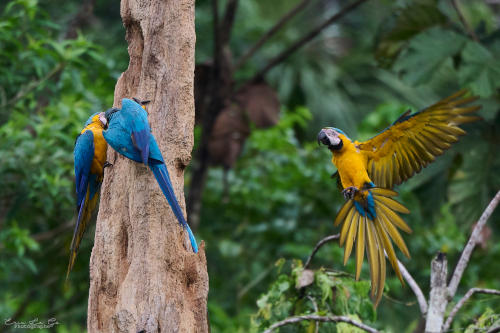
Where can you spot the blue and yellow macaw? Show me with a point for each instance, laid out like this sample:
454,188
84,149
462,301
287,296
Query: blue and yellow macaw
369,170
90,161
130,135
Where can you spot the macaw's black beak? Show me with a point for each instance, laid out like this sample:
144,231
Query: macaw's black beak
323,138
138,101
330,138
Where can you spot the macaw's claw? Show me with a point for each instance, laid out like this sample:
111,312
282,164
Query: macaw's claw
349,192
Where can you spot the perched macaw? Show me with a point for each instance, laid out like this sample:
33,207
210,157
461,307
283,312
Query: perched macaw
369,170
129,134
90,161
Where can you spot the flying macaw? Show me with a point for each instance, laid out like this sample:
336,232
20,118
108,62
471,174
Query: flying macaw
369,170
90,161
130,135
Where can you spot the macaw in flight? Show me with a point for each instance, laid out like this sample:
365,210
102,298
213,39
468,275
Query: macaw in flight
130,135
369,170
90,161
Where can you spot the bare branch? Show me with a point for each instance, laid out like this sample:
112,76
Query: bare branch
227,21
437,298
316,310
464,299
271,32
305,39
466,25
318,246
469,247
494,329
42,236
336,319
217,37
422,302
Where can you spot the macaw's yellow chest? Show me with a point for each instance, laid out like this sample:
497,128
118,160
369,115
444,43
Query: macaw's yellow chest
100,149
351,164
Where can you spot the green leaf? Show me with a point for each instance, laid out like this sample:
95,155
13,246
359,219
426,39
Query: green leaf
480,69
406,22
427,53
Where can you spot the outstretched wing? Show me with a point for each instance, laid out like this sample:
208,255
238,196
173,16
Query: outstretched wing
414,140
83,155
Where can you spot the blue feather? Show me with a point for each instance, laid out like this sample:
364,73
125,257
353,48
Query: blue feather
367,209
136,120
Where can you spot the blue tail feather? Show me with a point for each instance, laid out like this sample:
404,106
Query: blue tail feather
77,226
161,174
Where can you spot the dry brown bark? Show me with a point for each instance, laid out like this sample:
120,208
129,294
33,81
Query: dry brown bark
143,273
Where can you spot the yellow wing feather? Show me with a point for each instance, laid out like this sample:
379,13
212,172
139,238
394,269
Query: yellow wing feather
414,141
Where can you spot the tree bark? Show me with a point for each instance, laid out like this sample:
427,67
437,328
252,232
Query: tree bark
144,276
438,299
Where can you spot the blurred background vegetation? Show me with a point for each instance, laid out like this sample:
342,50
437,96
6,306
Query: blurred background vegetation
262,211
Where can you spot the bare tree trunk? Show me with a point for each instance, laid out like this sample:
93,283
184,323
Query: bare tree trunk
144,276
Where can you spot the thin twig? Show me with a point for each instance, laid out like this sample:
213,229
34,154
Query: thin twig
466,25
464,299
469,247
305,39
318,246
336,319
316,310
422,302
42,236
32,85
255,282
495,329
270,33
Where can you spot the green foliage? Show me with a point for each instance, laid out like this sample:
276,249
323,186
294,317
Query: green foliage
48,88
427,53
406,22
329,293
488,320
36,59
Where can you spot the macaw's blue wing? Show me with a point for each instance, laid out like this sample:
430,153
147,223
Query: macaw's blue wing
135,119
83,155
162,177
87,186
118,137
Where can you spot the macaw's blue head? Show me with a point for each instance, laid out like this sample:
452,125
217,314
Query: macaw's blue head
126,103
110,113
330,137
98,117
141,102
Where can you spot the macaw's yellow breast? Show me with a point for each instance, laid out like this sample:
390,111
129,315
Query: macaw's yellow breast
100,149
351,164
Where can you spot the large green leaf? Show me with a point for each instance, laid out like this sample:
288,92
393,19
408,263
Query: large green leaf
480,69
405,23
427,53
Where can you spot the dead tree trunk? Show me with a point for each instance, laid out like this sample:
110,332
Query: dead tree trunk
144,276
